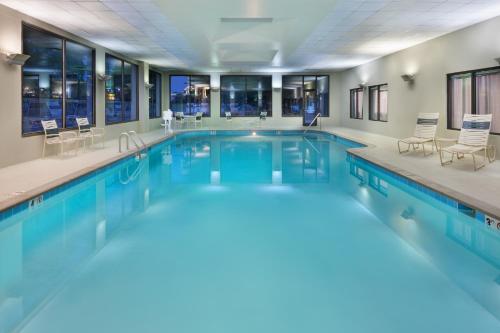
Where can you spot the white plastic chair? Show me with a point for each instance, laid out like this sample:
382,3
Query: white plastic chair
54,137
167,117
179,119
198,119
85,131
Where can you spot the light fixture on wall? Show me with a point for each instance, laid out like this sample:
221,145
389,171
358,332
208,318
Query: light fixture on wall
148,85
497,60
104,77
16,58
410,78
363,85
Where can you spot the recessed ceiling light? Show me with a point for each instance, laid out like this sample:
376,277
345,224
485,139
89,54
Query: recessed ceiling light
246,19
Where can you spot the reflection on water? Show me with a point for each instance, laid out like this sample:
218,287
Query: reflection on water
43,248
463,247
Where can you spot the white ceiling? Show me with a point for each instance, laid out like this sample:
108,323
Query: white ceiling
290,35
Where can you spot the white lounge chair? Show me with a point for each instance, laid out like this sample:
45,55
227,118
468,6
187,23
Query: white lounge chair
179,119
54,137
85,131
473,139
229,117
425,132
263,115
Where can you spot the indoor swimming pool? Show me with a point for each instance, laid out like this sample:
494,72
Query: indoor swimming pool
240,231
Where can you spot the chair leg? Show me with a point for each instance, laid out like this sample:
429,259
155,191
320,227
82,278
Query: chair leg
43,150
443,161
403,151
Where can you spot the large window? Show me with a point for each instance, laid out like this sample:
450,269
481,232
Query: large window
356,103
121,91
305,95
292,94
57,81
476,92
246,95
190,94
377,102
154,95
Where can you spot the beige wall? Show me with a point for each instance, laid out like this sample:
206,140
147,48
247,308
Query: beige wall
14,148
471,48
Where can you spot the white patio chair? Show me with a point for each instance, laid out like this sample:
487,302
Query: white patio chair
473,139
85,131
198,119
229,117
54,137
179,119
425,132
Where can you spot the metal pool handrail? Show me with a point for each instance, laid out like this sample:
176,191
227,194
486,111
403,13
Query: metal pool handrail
312,122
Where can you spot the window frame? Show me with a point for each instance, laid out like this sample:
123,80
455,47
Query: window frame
160,98
189,84
355,91
123,61
449,94
64,39
301,115
221,115
378,102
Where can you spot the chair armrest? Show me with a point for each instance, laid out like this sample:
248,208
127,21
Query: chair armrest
441,141
97,130
69,135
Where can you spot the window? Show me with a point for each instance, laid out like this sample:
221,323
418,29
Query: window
121,91
356,105
154,95
246,96
57,81
190,94
476,92
305,93
377,102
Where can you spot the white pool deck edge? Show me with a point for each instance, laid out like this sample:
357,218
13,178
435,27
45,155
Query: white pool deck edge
479,190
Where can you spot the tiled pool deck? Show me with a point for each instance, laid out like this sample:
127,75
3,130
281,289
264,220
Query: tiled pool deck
479,190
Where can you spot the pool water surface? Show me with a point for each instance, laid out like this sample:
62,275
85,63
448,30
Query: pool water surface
273,232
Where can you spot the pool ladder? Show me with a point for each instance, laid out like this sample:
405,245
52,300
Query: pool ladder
318,117
139,144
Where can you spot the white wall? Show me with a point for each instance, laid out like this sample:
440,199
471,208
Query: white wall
471,48
14,148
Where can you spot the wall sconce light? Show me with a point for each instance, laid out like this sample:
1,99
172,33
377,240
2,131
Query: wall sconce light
104,77
148,85
497,60
363,85
16,58
408,77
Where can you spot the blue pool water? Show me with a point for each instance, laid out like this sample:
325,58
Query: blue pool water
241,233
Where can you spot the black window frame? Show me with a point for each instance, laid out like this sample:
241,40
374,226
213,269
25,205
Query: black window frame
123,61
189,84
449,94
26,25
303,94
370,101
221,113
160,98
352,113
